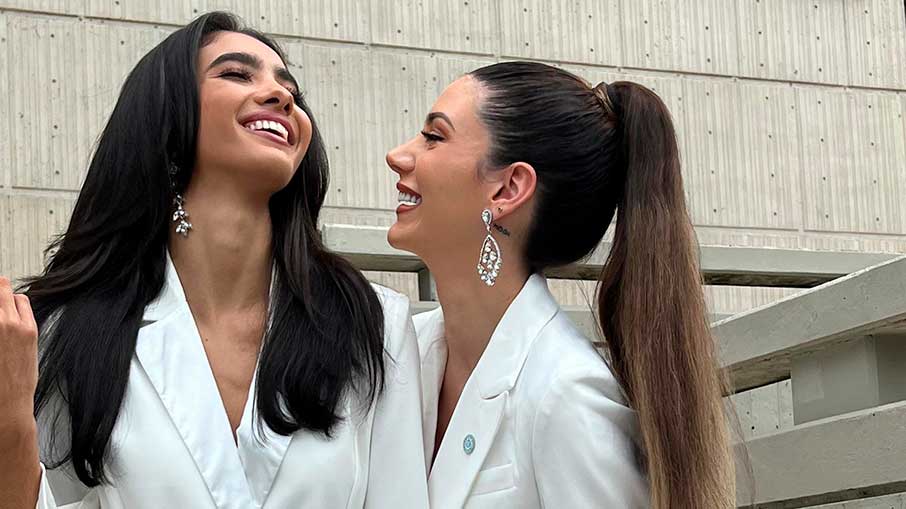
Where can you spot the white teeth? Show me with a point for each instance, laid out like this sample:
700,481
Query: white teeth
280,129
259,125
408,199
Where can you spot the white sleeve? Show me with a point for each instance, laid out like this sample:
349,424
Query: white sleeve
582,447
51,481
397,476
45,495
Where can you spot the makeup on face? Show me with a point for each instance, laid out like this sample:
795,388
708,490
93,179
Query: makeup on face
266,123
439,188
251,125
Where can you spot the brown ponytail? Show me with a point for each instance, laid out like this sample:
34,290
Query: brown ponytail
612,150
652,312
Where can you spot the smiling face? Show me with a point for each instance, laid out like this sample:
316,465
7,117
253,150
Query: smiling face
441,192
251,131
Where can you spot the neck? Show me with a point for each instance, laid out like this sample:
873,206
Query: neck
225,262
472,309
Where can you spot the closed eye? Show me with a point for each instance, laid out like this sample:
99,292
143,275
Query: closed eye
431,137
298,96
237,74
241,75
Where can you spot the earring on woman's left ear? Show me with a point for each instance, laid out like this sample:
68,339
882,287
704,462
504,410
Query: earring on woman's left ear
490,259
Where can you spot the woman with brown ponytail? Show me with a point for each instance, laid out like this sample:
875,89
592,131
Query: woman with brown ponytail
527,165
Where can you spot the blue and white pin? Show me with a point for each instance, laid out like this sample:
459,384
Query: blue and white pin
468,444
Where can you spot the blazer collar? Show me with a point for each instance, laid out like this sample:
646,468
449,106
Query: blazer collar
170,350
483,402
502,360
171,297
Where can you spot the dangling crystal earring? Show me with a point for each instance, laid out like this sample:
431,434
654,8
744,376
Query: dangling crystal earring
490,260
180,216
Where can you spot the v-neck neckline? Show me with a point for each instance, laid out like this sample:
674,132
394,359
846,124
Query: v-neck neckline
239,469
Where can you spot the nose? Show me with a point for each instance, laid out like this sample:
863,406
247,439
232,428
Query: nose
401,159
275,95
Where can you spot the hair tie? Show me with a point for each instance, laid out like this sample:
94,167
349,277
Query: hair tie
602,92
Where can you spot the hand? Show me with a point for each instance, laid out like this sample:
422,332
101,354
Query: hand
18,355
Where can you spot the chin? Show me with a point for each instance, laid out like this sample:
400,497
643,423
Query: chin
399,238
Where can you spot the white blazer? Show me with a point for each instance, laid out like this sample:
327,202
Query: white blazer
172,446
541,421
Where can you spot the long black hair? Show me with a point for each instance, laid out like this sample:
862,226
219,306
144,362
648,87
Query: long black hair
610,151
326,323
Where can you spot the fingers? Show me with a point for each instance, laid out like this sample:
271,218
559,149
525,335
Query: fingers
26,315
7,303
15,309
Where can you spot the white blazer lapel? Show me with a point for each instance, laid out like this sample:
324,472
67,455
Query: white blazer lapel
478,414
170,351
472,428
261,449
466,443
432,351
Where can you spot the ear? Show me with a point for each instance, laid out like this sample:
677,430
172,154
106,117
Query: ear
514,186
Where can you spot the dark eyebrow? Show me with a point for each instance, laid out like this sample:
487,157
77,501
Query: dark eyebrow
281,73
436,114
242,58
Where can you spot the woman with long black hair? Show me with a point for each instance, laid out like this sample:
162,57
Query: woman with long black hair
198,345
521,167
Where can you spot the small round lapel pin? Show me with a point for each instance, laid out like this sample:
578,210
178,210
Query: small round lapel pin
468,444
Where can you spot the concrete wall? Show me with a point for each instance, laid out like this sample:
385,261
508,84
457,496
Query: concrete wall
790,112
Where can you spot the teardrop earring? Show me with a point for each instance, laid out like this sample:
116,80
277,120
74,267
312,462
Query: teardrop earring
490,259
